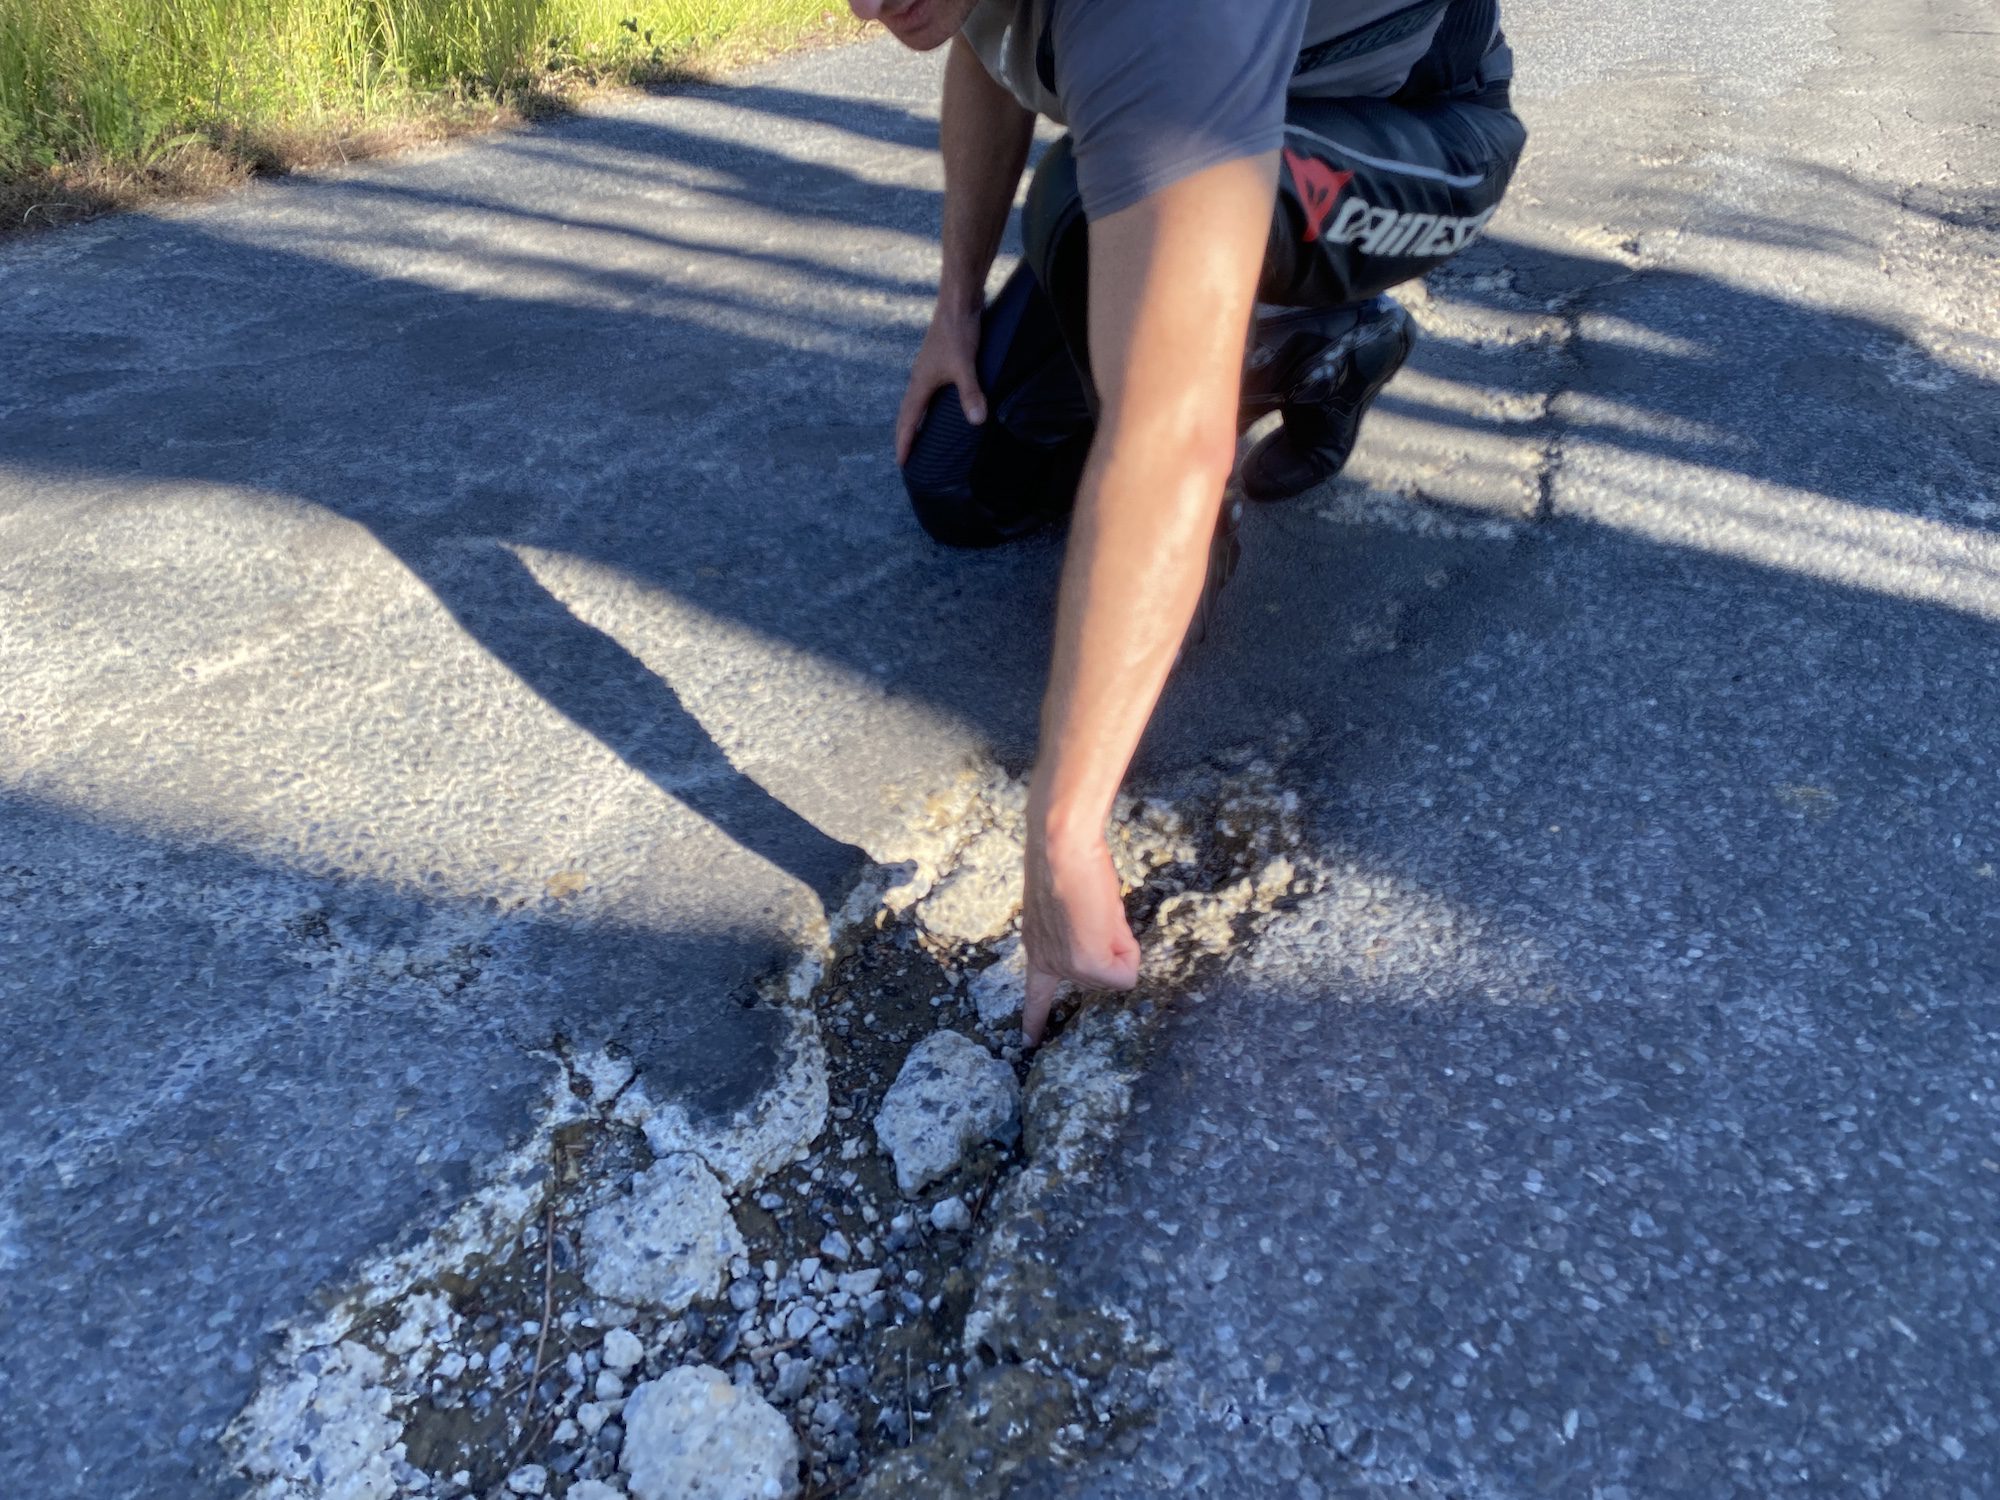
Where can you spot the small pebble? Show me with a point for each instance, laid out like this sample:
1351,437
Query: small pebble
622,1350
860,1283
794,1375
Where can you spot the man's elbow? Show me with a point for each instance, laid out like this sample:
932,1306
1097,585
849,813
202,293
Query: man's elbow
1187,452
1211,451
1187,439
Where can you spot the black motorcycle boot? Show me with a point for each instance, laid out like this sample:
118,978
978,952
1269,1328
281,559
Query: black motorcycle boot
1320,370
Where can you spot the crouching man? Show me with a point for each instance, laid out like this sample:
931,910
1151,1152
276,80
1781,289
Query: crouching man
1241,183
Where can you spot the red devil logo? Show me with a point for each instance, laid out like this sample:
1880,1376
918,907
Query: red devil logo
1318,187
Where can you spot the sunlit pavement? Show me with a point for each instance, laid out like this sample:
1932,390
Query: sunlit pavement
468,600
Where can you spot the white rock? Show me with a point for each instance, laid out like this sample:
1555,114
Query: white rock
860,1283
666,1244
950,1093
976,901
835,1247
801,1320
609,1387
592,1415
1001,989
951,1215
774,1130
594,1489
622,1349
530,1479
691,1435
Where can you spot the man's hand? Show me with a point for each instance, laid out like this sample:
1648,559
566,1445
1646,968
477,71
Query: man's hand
1073,926
948,357
983,136
1172,281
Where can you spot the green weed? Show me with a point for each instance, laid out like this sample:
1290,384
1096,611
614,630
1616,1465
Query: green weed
98,92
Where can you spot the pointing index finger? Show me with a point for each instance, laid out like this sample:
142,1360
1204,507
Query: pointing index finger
1041,995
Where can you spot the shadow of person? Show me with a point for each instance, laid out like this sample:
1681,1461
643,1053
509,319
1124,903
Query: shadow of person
593,680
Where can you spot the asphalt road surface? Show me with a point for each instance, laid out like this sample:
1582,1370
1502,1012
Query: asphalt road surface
467,599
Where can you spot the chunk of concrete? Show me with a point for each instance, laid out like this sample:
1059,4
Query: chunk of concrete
691,1435
666,1243
950,1094
978,899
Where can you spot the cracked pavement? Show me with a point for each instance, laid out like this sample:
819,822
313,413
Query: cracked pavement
466,600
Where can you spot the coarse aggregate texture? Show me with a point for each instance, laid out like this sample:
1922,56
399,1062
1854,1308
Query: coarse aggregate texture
691,1435
975,904
469,605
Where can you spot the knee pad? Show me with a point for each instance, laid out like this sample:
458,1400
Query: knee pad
1055,242
977,486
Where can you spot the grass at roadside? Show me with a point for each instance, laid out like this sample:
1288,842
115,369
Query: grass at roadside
105,103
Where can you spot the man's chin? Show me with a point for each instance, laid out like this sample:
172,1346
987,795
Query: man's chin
926,25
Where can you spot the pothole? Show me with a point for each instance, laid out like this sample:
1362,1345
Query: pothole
640,1288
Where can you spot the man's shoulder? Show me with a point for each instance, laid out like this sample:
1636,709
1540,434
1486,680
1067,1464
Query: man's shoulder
1008,36
1155,90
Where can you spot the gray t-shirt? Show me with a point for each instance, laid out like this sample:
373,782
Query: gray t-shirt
1155,90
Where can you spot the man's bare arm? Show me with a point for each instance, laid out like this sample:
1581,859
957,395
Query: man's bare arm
983,135
1172,285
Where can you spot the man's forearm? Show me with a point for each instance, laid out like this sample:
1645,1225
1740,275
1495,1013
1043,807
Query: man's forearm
1138,552
1171,287
983,137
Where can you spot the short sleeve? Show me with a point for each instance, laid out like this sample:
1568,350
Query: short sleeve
1156,90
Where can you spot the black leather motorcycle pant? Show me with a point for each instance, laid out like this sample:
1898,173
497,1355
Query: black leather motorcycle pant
1371,193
